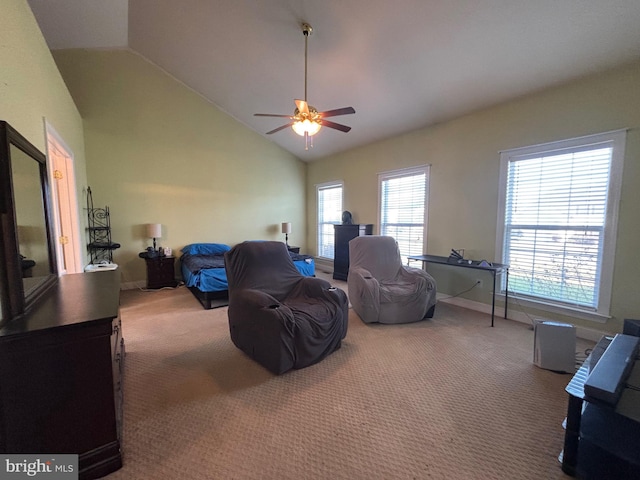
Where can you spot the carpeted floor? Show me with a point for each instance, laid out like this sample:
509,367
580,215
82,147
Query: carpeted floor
448,398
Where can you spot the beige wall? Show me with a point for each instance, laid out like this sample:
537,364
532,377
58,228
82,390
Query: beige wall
31,87
464,158
159,153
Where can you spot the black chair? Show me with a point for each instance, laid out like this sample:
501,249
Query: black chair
277,316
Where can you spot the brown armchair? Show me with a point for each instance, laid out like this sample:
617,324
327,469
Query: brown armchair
277,316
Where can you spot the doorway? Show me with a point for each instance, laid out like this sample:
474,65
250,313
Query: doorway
64,203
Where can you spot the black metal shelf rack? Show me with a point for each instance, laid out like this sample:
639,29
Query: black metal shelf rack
100,245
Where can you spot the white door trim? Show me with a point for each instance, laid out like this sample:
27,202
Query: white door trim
69,204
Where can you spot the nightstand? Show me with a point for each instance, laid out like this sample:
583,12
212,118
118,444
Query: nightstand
160,272
293,249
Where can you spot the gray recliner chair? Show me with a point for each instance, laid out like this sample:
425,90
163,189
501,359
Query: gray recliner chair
383,290
277,316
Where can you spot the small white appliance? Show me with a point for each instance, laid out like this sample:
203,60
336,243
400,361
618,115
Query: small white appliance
554,345
100,267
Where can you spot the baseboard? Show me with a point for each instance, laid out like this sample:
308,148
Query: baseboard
581,332
133,285
323,265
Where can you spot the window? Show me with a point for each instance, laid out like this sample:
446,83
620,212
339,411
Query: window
403,202
558,220
329,214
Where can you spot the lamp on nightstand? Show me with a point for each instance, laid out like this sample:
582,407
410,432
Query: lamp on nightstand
286,229
154,230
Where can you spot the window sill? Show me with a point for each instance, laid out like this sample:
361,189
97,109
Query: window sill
554,308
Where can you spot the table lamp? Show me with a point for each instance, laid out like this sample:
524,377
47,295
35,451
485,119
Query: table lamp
286,229
154,230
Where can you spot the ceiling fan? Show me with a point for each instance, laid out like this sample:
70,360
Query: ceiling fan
306,121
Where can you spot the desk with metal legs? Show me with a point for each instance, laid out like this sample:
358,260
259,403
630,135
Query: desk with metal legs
494,269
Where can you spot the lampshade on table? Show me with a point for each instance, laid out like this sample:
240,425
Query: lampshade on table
154,230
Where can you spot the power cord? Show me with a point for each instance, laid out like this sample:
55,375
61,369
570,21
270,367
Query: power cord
582,356
513,296
179,285
463,292
510,297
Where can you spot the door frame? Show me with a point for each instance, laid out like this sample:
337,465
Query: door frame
71,203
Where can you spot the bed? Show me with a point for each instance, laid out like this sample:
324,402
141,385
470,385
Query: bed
202,267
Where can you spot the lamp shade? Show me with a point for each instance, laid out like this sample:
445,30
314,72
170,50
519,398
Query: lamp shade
286,227
154,230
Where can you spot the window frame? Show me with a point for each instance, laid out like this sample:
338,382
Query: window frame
406,172
319,224
616,140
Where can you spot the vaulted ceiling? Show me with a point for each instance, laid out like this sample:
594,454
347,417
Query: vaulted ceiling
401,64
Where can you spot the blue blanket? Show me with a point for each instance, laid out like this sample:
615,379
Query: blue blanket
207,273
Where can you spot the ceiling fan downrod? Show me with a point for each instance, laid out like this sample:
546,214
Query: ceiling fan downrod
306,31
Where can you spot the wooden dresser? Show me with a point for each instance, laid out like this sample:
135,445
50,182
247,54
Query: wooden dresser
343,234
60,375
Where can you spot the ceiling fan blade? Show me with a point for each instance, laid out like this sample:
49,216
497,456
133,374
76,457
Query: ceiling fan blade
337,111
279,128
271,115
303,107
337,126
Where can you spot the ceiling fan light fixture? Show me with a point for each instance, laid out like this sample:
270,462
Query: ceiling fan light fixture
306,126
306,120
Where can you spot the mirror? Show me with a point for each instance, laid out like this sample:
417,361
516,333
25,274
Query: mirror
27,260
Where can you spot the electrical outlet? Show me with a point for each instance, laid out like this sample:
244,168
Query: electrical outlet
479,282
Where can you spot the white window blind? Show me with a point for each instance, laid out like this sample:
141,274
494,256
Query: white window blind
329,214
556,215
403,198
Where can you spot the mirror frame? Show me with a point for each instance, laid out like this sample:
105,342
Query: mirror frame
12,296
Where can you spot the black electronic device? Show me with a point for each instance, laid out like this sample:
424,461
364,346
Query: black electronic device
631,327
150,252
607,380
455,257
